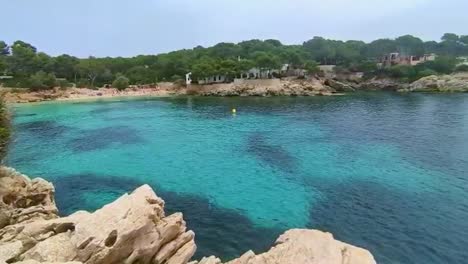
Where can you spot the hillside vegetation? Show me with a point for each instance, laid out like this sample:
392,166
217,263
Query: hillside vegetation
33,69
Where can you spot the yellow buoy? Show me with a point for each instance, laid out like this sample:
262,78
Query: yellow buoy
234,111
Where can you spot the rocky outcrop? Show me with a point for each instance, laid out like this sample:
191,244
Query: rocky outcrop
341,86
132,229
23,200
304,247
382,84
268,87
443,83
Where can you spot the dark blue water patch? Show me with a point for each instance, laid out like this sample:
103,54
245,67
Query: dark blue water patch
397,227
273,155
219,231
24,115
102,110
95,139
46,129
427,133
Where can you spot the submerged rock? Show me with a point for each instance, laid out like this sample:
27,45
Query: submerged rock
132,229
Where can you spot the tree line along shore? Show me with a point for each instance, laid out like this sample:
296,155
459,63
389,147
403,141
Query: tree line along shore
23,66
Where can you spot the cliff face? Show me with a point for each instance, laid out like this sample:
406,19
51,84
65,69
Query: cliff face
132,229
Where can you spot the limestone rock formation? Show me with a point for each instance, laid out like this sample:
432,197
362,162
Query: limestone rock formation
444,83
340,86
267,87
382,84
133,229
300,246
23,200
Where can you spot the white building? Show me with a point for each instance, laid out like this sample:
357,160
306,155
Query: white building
213,79
188,78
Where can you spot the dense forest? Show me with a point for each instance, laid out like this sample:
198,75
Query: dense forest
31,68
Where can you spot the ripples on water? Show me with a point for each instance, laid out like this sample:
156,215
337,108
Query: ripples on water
387,172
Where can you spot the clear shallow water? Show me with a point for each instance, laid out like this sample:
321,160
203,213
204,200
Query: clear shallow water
387,172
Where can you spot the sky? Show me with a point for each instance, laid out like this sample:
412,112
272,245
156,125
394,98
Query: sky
132,27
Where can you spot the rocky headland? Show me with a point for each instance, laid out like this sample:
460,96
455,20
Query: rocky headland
440,83
267,87
132,229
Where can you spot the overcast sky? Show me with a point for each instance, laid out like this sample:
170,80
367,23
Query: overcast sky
132,27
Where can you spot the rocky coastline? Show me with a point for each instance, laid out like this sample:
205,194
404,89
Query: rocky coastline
440,83
132,229
314,86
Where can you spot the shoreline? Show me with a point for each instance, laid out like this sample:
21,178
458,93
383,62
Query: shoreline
81,94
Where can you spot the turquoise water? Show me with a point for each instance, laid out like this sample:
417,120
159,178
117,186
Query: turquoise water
383,171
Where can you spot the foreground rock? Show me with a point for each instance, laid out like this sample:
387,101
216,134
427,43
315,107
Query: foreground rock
133,229
304,247
23,200
443,83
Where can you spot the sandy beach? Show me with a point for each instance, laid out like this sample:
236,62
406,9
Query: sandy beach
18,96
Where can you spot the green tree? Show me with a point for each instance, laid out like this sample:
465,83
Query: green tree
121,83
42,80
312,67
43,62
403,71
244,65
3,66
321,50
205,67
410,45
274,42
462,68
464,39
23,58
90,69
450,37
380,47
64,66
442,64
4,49
141,75
266,61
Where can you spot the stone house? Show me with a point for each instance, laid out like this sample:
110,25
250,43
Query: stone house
396,58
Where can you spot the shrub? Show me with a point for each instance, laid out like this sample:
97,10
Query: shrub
462,68
402,71
64,84
121,83
41,81
426,72
82,83
4,127
176,77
